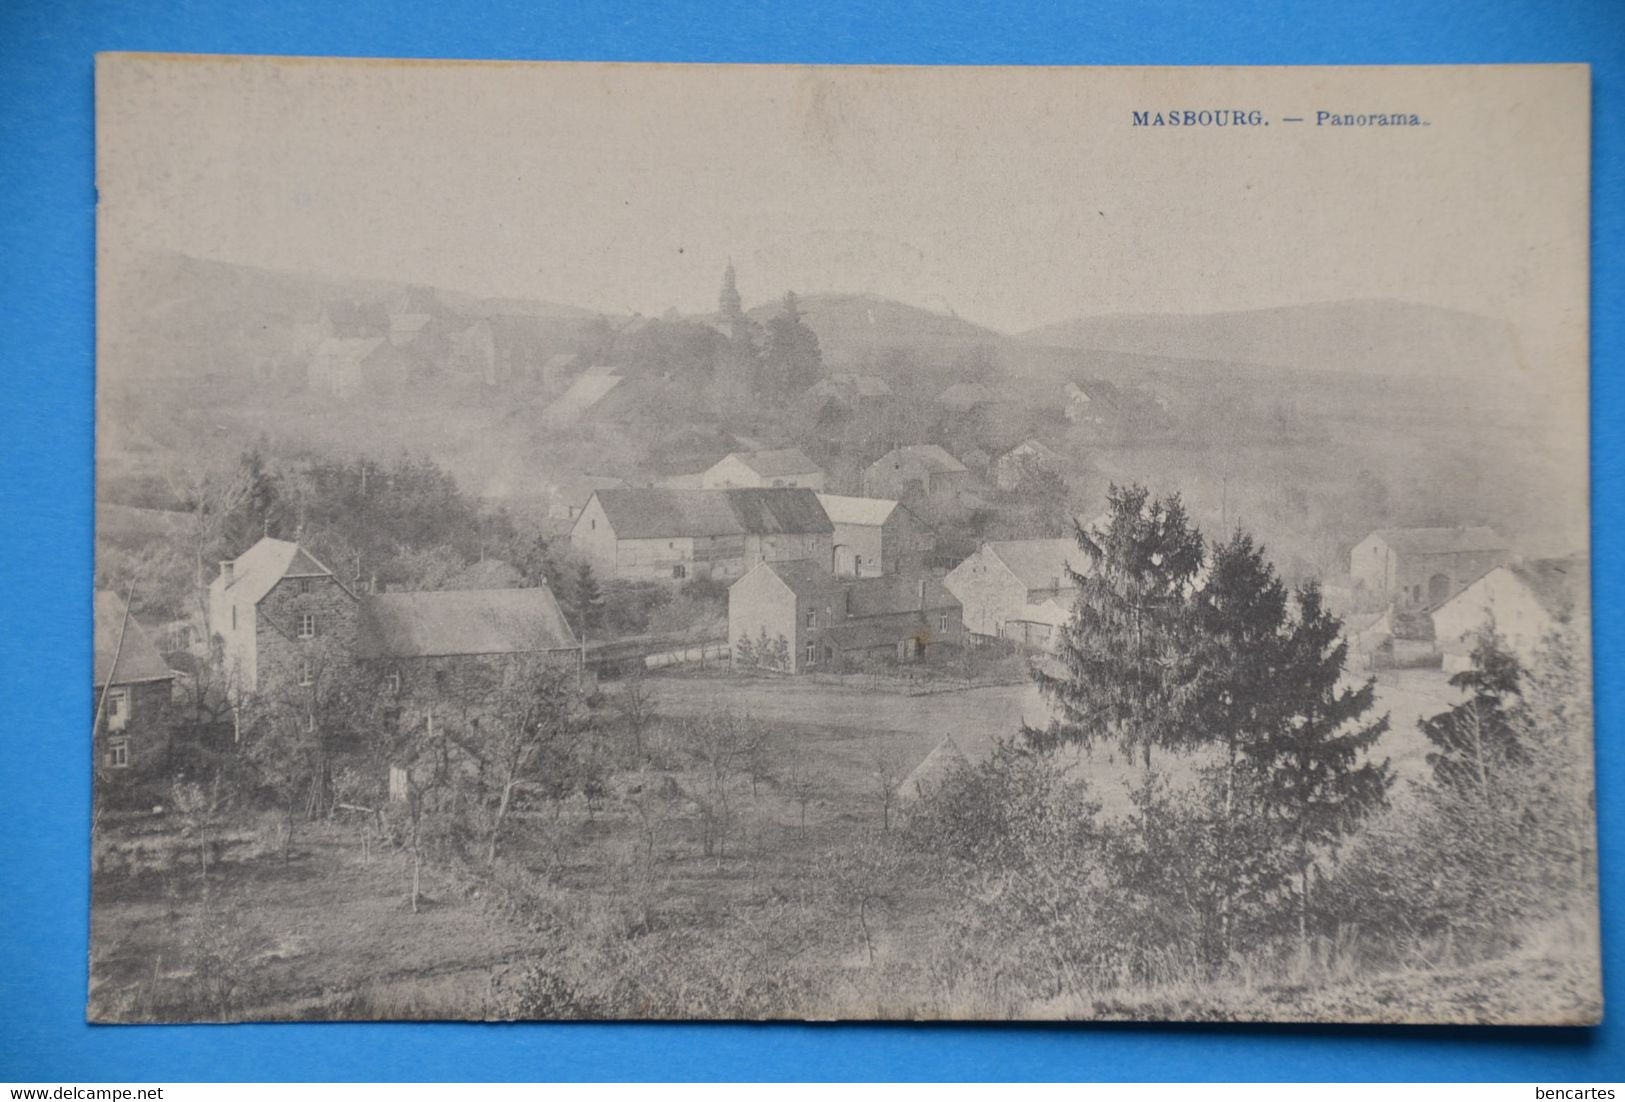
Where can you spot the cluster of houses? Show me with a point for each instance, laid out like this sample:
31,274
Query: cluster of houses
816,580
353,346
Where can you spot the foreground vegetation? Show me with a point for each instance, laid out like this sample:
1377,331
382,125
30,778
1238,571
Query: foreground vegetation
603,853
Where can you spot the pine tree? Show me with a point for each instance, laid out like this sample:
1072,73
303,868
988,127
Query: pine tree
792,360
589,600
1234,654
1119,651
1315,779
1480,734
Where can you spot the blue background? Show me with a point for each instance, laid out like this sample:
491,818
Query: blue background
46,396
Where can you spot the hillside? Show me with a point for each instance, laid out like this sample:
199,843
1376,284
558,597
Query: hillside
164,313
1367,337
856,327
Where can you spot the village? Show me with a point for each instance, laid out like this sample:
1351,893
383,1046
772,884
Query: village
718,562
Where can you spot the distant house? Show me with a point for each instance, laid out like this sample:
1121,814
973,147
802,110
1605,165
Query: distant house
570,494
964,397
1421,568
585,391
875,536
1094,401
133,690
1018,589
665,533
1009,469
916,470
278,610
851,391
1524,602
341,366
779,467
812,619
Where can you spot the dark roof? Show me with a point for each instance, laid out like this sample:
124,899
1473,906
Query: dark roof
138,658
462,621
1560,585
894,593
1441,541
803,576
931,456
874,632
647,512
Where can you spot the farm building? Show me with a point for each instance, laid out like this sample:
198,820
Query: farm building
1018,589
964,397
797,616
341,366
850,390
1421,568
665,533
134,690
1010,468
279,612
915,471
779,467
875,535
584,392
1522,602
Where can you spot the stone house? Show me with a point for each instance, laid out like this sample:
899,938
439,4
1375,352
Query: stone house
779,467
1008,470
814,619
1524,602
133,692
875,536
673,534
281,614
916,471
1416,569
1018,589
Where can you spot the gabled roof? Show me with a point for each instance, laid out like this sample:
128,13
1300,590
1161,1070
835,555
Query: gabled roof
138,658
862,386
1440,541
462,621
932,456
646,512
778,462
842,509
586,391
1033,447
1040,564
1098,392
803,576
775,510
1560,585
891,594
256,570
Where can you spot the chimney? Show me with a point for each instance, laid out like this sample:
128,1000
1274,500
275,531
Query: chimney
226,570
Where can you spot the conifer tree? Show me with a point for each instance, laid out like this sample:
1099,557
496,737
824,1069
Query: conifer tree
589,600
1119,651
792,360
1481,734
1316,781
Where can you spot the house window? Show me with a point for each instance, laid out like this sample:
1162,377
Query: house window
679,571
118,753
307,625
303,586
307,673
942,623
394,682
812,617
233,617
118,709
310,722
593,524
812,654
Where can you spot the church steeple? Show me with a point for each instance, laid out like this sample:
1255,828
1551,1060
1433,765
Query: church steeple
728,302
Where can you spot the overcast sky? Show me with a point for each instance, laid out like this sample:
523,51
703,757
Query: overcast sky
1013,197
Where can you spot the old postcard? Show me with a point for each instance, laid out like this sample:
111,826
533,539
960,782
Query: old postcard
774,542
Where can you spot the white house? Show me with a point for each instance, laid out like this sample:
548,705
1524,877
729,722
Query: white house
1018,589
1522,602
757,470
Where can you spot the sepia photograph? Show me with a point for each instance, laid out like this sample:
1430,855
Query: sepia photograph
752,542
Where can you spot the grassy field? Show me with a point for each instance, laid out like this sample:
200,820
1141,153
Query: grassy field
332,932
